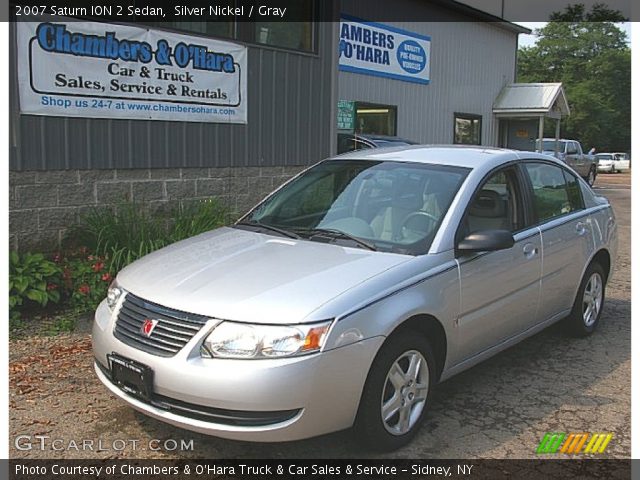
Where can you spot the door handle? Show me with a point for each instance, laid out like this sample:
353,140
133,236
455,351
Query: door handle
529,250
581,228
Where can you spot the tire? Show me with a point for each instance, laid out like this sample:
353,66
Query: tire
591,177
406,413
585,315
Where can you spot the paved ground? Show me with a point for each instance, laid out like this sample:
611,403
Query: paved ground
499,409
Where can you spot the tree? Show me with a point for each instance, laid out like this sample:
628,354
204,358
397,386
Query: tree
589,54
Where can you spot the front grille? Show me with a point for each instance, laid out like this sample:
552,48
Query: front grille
244,418
172,332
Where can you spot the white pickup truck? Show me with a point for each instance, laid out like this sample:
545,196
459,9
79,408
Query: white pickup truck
570,152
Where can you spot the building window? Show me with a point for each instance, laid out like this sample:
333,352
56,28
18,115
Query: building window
214,29
290,35
376,119
467,129
293,35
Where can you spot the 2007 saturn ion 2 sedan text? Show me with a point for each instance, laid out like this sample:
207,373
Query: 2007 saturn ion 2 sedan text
347,294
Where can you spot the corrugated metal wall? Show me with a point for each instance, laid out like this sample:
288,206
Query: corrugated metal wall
291,121
470,63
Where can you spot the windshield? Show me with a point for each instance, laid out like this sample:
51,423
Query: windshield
550,145
604,156
387,206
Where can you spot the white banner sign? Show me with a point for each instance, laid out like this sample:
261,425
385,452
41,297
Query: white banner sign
112,71
374,49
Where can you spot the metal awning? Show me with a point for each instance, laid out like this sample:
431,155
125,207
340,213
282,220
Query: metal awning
532,100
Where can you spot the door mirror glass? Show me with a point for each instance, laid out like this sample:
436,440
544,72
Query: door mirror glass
486,241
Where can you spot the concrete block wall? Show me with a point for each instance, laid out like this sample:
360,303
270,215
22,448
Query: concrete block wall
44,204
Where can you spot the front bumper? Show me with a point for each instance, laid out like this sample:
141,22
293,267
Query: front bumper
605,167
314,394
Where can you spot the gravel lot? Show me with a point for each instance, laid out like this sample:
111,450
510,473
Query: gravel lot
499,409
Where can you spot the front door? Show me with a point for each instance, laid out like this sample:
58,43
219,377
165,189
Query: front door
500,290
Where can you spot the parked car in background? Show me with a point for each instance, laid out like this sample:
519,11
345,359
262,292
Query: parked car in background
570,152
345,296
606,163
622,162
350,142
613,162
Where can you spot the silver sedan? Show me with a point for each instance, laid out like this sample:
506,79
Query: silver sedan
343,298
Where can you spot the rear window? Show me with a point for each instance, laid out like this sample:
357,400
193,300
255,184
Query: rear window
550,145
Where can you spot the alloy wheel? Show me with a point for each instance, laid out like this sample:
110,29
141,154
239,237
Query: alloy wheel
592,299
405,392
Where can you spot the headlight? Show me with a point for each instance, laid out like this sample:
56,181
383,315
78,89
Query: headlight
243,340
113,295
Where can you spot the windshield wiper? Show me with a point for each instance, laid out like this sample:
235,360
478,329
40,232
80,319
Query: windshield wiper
281,231
332,232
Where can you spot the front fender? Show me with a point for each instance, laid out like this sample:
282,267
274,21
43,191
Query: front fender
435,293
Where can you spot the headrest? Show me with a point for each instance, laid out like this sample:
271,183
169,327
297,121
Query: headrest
408,201
488,204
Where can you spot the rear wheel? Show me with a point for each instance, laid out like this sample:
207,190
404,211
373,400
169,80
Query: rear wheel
591,177
397,392
587,308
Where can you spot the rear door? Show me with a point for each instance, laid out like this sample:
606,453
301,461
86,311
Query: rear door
567,240
499,290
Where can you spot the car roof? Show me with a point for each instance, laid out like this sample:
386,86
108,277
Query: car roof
468,156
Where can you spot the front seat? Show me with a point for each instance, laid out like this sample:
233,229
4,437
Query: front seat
387,223
488,212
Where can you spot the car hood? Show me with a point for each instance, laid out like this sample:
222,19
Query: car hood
235,274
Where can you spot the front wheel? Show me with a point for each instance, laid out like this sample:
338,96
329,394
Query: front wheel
397,392
587,308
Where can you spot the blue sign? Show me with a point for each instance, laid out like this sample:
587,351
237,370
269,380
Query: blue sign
371,48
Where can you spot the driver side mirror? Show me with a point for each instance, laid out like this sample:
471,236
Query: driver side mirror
486,241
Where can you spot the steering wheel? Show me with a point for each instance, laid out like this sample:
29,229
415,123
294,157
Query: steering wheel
417,225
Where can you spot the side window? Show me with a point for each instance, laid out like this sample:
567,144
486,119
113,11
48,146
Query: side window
551,192
574,192
497,205
572,148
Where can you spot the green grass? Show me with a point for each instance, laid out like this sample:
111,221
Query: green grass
129,231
